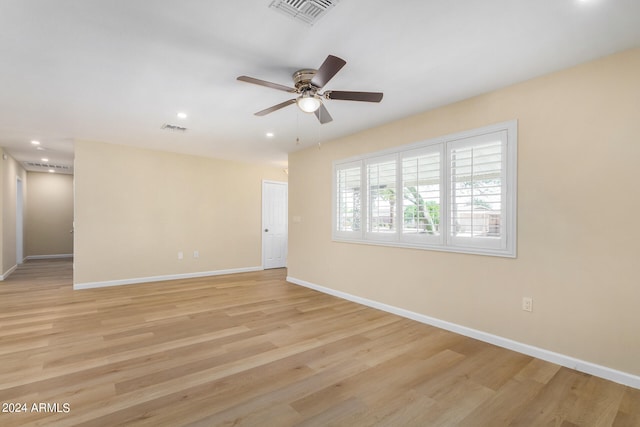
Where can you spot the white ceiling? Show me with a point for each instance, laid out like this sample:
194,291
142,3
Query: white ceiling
116,70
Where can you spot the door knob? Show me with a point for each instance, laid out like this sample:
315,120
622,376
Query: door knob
266,230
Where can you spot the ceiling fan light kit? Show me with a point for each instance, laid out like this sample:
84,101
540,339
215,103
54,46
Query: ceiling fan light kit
308,102
308,84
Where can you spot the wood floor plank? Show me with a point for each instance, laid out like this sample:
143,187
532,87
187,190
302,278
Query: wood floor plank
629,411
504,405
538,370
251,349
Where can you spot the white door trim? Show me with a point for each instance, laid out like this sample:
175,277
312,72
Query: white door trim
19,220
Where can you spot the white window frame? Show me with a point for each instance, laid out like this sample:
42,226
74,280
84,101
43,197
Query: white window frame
505,246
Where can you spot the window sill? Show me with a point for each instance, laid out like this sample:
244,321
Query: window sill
436,248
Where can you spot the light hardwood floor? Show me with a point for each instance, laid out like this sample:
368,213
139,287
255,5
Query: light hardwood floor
252,349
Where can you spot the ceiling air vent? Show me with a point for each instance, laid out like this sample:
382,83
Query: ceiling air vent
45,167
307,11
175,128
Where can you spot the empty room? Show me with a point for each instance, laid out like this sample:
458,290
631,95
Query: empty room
319,213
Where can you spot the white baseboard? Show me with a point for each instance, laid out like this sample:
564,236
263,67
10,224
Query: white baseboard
540,353
55,256
8,272
90,285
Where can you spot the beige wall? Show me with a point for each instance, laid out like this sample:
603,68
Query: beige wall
578,202
11,170
135,209
50,215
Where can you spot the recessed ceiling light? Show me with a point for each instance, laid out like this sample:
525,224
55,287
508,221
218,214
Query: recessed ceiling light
40,148
35,142
270,134
52,171
182,115
44,159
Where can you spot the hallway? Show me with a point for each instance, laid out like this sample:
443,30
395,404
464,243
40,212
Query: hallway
41,274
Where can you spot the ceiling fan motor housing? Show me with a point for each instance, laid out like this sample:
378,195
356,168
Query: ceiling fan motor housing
302,80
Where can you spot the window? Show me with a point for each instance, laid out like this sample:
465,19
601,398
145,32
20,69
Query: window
348,198
381,197
421,183
455,193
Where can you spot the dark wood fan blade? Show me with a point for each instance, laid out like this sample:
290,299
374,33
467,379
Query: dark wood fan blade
327,70
323,115
354,96
266,83
275,107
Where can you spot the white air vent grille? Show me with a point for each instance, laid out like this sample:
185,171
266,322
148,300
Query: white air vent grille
45,167
307,11
175,128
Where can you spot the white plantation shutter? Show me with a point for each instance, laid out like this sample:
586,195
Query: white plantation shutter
348,201
421,178
382,196
477,190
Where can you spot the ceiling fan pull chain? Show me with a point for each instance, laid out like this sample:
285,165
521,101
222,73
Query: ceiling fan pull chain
320,127
298,128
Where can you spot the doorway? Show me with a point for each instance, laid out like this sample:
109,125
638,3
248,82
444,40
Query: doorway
274,224
19,221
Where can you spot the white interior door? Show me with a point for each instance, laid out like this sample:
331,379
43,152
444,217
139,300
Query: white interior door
274,224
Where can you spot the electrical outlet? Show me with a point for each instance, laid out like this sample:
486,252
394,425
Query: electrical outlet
180,255
527,303
196,254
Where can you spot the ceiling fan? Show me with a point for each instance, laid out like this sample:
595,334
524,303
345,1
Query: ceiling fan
308,84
